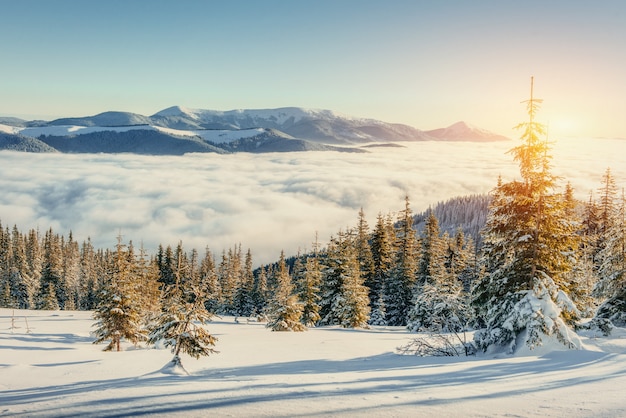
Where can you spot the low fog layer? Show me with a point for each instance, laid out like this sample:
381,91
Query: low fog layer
266,202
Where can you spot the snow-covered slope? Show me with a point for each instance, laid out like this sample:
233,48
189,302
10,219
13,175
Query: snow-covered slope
157,140
105,119
462,131
50,368
317,125
243,117
215,136
12,121
73,130
14,142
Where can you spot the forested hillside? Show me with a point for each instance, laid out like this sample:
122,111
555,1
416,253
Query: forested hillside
467,213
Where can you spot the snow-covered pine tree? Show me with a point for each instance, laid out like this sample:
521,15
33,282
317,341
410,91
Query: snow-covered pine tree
210,282
608,214
89,278
431,273
48,300
310,288
243,300
71,273
34,258
611,285
284,311
345,298
166,263
147,287
119,312
440,306
432,254
383,258
527,238
399,286
6,299
378,314
364,249
261,294
180,324
461,259
581,278
19,271
229,275
608,222
440,303
356,308
52,272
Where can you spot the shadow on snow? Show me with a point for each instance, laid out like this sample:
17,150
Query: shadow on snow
387,373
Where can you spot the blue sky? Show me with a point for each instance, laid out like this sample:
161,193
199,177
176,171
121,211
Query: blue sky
424,63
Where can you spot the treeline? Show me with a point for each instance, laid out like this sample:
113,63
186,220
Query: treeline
368,270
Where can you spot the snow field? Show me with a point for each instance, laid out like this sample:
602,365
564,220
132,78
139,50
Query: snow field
55,370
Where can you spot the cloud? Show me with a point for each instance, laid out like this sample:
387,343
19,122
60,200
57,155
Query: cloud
266,202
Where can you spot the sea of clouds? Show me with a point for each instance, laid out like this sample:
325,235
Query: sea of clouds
265,202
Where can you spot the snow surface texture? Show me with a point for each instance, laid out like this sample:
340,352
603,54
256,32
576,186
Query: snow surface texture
49,367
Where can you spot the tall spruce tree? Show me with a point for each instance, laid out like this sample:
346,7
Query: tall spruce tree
261,293
34,258
183,317
364,249
399,286
243,299
71,273
527,239
51,289
119,312
285,310
383,258
581,277
611,286
89,277
309,295
20,274
210,282
345,299
439,300
7,299
146,274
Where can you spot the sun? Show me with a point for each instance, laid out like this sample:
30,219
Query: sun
563,127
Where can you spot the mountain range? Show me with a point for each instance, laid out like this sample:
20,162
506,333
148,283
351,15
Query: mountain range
178,130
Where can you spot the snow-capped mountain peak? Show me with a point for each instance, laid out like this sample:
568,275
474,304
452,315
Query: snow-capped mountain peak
463,131
177,111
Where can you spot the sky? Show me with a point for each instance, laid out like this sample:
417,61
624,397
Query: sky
423,63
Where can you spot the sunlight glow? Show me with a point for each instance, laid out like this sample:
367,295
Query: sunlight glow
563,127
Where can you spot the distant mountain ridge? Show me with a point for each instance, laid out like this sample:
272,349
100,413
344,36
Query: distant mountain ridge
106,119
177,129
462,131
